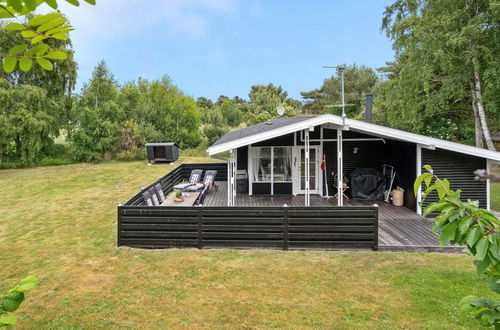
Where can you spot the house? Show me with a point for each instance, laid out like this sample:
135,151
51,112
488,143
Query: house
284,156
273,192
496,140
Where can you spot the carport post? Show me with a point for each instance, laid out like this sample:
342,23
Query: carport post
307,165
340,169
419,172
231,180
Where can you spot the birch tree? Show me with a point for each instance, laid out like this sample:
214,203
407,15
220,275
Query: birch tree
448,52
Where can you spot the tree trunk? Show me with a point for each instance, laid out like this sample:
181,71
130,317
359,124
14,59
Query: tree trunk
480,107
477,121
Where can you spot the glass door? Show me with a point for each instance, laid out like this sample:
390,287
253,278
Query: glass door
313,170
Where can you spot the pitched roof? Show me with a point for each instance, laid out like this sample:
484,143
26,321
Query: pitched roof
259,128
282,126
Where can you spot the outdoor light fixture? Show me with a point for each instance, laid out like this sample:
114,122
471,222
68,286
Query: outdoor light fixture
355,150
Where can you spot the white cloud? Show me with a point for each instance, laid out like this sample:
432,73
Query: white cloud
114,18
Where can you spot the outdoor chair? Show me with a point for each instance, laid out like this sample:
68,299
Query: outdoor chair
147,198
208,182
159,193
154,197
194,178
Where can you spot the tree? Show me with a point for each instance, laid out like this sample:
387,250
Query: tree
205,103
162,111
28,122
448,52
215,126
264,100
35,31
230,112
99,116
359,81
59,82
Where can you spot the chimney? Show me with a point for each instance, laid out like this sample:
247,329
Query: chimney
368,108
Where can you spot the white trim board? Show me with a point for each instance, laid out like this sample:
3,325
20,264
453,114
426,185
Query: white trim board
368,128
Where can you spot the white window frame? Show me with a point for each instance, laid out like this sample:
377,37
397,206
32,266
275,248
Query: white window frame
272,182
296,172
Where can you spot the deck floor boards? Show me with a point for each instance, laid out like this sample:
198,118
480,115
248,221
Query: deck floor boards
400,229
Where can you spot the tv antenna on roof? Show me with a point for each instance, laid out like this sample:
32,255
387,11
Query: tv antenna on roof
341,69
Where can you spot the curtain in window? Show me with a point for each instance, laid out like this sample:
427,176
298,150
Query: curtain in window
282,164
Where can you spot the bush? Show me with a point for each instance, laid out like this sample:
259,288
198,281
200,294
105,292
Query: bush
135,153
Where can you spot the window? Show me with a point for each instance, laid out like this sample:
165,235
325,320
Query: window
282,164
271,164
261,158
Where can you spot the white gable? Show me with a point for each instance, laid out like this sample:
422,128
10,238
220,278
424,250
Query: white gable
360,126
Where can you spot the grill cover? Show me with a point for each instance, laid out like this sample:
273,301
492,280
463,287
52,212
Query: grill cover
367,184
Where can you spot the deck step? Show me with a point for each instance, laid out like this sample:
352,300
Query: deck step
421,248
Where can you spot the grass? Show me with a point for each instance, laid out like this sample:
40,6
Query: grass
59,223
495,189
495,196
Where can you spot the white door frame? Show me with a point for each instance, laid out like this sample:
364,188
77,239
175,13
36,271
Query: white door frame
296,172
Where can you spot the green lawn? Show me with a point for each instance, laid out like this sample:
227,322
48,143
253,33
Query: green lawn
495,196
59,223
495,190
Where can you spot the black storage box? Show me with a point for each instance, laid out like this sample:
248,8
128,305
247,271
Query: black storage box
162,152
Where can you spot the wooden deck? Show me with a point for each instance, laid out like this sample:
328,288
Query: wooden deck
400,229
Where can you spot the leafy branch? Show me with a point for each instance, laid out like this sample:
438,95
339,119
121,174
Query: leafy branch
10,301
464,223
35,31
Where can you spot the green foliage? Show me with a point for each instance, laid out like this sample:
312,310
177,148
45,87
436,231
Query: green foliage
10,301
130,144
58,82
99,116
464,223
162,111
359,81
27,122
439,44
35,31
230,112
264,100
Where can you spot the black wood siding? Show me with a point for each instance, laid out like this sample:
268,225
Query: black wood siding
370,154
280,141
261,188
403,156
242,155
248,227
458,169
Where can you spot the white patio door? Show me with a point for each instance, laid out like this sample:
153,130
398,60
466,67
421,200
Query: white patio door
300,170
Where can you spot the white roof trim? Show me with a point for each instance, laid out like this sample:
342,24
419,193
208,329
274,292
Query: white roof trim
368,128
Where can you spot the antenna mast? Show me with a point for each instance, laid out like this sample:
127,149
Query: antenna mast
341,69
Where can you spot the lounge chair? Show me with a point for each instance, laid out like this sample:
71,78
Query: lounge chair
159,193
194,178
154,197
208,181
147,198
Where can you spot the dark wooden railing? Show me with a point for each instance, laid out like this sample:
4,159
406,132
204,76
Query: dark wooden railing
179,174
248,227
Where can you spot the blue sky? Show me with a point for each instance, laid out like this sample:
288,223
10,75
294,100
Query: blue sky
213,47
